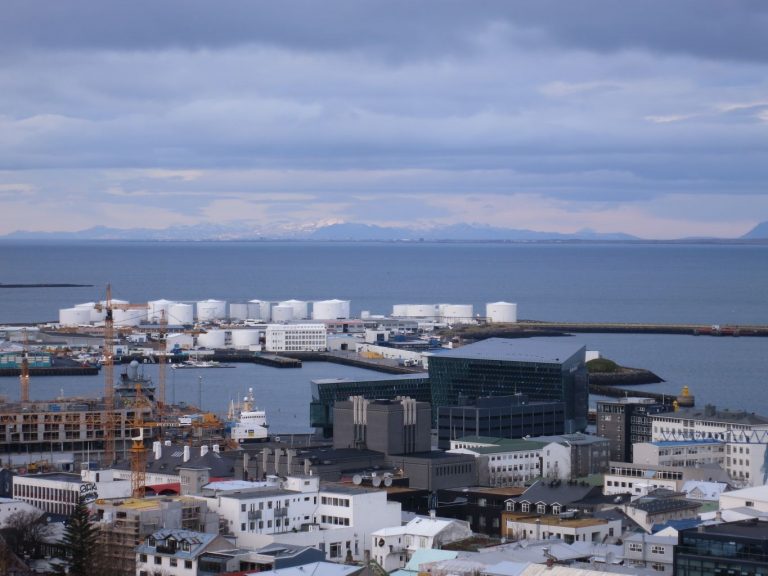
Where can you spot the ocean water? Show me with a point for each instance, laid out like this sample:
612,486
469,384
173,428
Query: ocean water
710,284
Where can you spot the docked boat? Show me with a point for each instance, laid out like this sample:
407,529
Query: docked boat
194,364
250,424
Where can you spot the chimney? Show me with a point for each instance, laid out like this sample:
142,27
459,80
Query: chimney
167,442
216,448
157,448
433,514
203,450
186,454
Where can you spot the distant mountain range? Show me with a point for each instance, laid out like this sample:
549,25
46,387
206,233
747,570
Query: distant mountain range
343,231
331,232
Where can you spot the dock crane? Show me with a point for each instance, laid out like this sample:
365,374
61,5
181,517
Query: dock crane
24,376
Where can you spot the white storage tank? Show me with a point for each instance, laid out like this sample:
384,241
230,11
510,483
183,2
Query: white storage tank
95,315
300,308
210,310
128,317
457,313
501,312
238,311
74,316
179,341
400,310
282,313
183,314
429,311
157,308
214,339
244,339
260,310
330,309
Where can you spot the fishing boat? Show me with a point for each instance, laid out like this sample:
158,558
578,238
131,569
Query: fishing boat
249,423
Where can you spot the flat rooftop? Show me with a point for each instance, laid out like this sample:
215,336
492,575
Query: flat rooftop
371,378
730,416
518,350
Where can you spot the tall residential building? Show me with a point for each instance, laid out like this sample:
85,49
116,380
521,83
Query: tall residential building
544,371
625,422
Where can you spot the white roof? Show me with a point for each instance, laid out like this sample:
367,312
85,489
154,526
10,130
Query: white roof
313,569
753,493
544,570
710,490
419,526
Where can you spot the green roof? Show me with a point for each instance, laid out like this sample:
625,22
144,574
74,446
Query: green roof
501,444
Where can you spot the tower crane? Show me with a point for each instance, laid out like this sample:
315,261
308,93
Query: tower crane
24,376
110,420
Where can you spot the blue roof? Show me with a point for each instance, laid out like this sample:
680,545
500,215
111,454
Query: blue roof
425,555
519,350
676,524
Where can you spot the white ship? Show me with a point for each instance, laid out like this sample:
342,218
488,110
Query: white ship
250,425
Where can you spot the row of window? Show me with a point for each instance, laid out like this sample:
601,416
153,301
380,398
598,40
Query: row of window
158,561
330,501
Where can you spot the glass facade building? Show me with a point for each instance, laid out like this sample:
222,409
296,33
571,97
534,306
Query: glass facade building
545,371
729,548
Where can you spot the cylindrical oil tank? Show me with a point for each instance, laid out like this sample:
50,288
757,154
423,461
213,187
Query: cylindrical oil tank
238,311
74,316
96,315
128,317
400,310
501,312
330,309
428,311
282,313
300,308
210,310
457,313
179,341
214,339
243,339
183,314
260,310
158,308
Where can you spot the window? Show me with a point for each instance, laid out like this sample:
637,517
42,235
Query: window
174,562
635,547
541,508
656,549
142,557
525,507
188,564
158,560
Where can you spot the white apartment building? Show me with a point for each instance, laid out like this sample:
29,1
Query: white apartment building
393,547
638,478
335,518
59,493
684,453
650,550
745,436
755,498
296,338
502,461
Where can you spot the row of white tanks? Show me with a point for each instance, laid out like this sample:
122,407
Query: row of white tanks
207,311
456,313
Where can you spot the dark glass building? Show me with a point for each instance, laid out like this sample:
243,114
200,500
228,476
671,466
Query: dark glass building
728,548
325,393
500,417
542,370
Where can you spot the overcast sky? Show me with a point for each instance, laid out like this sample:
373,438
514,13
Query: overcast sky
647,117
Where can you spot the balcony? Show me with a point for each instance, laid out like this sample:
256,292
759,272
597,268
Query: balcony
254,515
281,512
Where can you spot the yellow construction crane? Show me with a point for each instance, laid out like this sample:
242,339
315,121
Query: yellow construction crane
24,376
109,374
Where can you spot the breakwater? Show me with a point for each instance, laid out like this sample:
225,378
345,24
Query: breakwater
537,328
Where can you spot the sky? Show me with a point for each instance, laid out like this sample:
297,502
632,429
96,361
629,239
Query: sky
645,117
